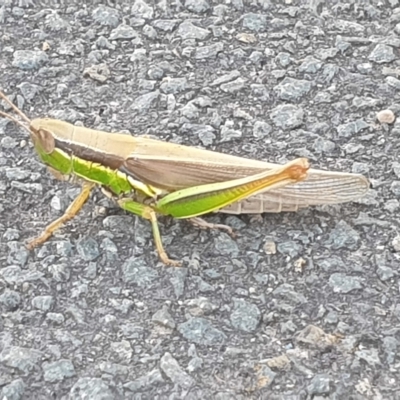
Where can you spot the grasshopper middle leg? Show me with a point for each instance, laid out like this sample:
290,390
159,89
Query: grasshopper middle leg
149,214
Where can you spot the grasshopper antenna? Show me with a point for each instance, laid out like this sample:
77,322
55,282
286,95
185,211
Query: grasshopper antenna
17,110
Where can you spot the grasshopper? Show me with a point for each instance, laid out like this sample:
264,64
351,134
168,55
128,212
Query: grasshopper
148,177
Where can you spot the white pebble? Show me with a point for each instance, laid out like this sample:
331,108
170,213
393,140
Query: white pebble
385,117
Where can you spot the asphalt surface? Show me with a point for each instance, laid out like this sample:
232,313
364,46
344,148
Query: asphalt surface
299,305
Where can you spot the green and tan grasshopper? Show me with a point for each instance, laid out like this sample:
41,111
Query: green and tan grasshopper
149,177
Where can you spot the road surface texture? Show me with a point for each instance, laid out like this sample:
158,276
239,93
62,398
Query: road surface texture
299,305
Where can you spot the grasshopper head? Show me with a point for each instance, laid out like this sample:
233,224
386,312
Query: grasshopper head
45,131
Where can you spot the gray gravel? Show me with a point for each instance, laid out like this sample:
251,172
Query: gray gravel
297,306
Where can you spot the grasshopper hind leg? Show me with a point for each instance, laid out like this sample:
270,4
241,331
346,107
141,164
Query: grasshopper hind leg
70,213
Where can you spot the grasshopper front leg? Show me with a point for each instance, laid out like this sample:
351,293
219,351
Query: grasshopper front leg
70,213
148,213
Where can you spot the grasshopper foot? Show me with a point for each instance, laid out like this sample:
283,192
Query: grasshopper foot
201,223
37,242
167,261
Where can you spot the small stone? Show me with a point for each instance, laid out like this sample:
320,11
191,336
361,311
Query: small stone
385,273
166,25
10,300
365,68
393,82
382,53
11,234
172,369
396,244
332,317
291,248
43,303
18,254
122,351
164,318
225,245
14,390
211,51
56,318
173,85
360,168
245,316
134,271
395,188
293,89
28,60
284,59
99,72
200,331
91,388
228,134
123,32
197,6
103,43
269,247
392,205
149,32
350,129
260,92
319,385
386,117
202,285
143,103
88,249
58,371
200,306
316,337
287,292
370,356
226,78
27,187
265,376
261,129
155,73
342,283
106,16
255,22
247,38
234,86
54,22
287,116
310,65
279,362
22,358
390,345
322,145
343,236
237,4
28,90
142,9
145,382
177,280
187,30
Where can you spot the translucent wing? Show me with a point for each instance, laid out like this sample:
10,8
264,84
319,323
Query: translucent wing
172,167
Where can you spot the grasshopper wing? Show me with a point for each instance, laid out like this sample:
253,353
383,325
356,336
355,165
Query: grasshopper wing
172,167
